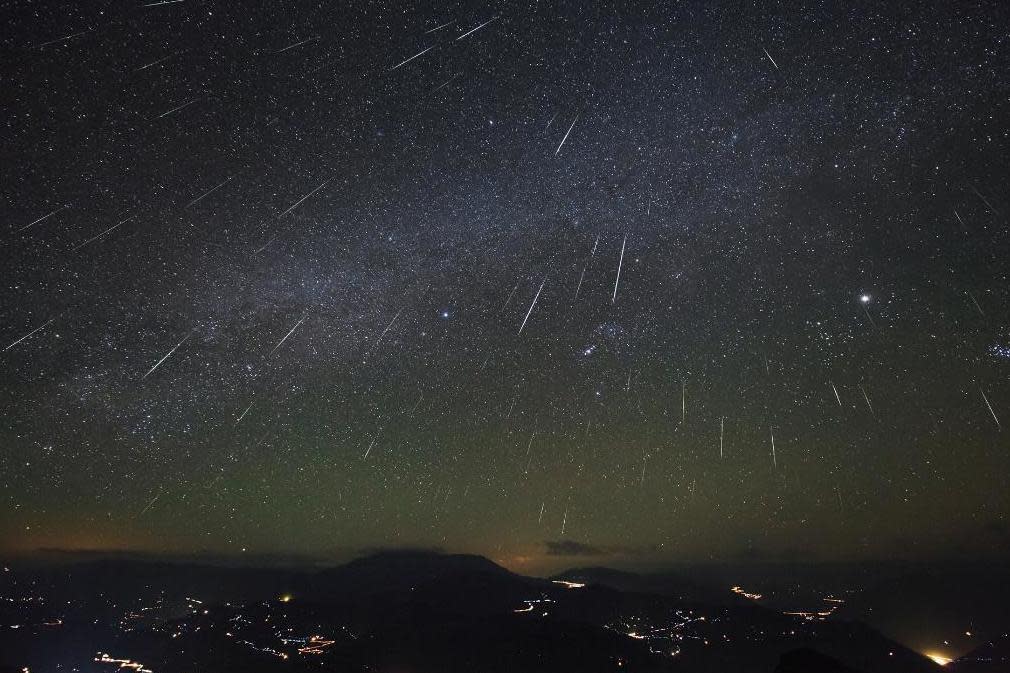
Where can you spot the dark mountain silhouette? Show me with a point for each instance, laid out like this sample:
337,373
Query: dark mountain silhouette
805,660
927,605
404,570
409,611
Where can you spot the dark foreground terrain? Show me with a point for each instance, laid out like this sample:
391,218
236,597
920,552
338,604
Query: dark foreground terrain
420,612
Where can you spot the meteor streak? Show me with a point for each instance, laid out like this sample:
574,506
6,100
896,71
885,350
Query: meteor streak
523,326
299,201
37,329
566,135
475,29
620,263
290,332
420,53
166,356
44,217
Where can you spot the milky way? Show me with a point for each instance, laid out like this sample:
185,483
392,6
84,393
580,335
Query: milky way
662,281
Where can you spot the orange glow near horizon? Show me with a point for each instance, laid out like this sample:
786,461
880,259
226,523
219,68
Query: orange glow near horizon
939,658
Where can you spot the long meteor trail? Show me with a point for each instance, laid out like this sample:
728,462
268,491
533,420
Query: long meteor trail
523,326
470,32
566,135
245,412
37,329
166,356
990,408
207,193
447,23
299,201
770,58
107,231
296,44
44,217
420,53
177,108
290,332
619,264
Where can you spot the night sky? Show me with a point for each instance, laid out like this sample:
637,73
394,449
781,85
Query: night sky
554,283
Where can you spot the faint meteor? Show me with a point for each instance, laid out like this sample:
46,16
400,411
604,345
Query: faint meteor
265,245
420,53
775,461
160,60
770,58
388,327
61,39
153,500
176,108
474,30
299,201
290,332
867,398
975,301
104,233
509,299
620,262
581,277
564,521
541,517
37,329
566,135
166,356
990,408
683,401
585,267
722,432
523,326
207,193
984,200
836,392
375,438
161,2
44,217
868,316
958,216
444,84
417,404
447,23
239,420
297,44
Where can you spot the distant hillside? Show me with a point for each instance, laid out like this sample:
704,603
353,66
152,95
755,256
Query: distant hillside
413,611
